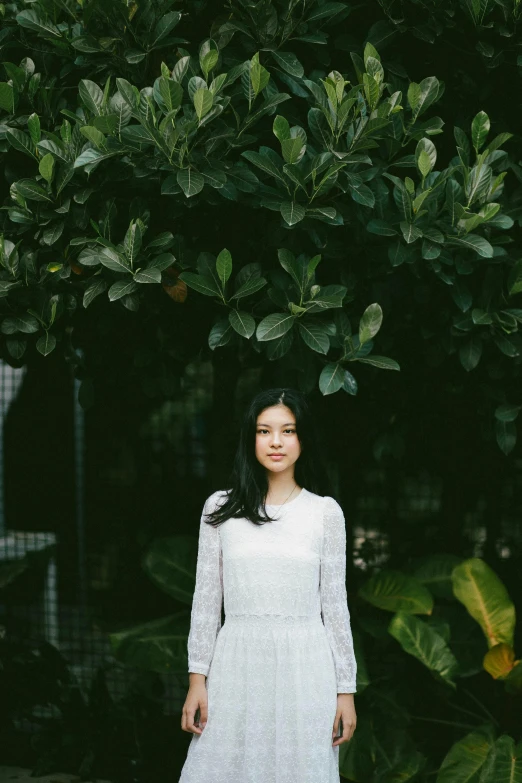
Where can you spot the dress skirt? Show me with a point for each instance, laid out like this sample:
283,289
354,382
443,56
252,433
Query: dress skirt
272,700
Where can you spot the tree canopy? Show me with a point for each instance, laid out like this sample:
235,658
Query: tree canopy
294,182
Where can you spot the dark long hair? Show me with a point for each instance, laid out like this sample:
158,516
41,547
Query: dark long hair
248,479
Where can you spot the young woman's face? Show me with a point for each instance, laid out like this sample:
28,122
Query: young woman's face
276,434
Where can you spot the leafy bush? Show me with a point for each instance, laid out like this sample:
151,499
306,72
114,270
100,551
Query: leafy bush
139,163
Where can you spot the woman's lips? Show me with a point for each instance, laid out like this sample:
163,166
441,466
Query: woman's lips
276,457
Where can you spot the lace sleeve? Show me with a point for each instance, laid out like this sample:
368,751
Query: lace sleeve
334,604
205,618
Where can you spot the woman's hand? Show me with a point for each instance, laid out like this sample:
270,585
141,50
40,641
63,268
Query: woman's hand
345,712
197,696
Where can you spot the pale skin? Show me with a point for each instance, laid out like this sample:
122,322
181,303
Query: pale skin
275,433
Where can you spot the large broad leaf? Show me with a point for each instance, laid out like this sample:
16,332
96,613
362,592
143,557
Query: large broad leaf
466,759
191,182
203,100
289,63
96,286
274,325
33,21
423,642
331,378
473,242
315,335
382,362
243,323
264,163
396,591
499,661
171,564
250,287
292,212
504,763
370,323
149,275
435,573
477,586
201,283
220,334
479,129
121,288
158,646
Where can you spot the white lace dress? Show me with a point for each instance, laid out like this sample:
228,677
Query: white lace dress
275,666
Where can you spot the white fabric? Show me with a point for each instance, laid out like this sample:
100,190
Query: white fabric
276,665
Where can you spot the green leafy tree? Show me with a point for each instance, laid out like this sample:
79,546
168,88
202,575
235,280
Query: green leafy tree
139,164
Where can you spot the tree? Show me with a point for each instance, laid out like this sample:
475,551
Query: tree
141,164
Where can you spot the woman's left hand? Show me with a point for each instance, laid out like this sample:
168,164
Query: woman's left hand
346,713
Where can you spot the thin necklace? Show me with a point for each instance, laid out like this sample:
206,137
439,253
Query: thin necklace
289,495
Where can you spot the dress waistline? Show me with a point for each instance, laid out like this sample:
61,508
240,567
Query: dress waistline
281,619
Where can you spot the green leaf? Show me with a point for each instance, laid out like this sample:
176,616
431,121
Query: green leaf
470,353
382,362
243,323
370,323
46,343
31,190
220,334
151,274
483,594
479,129
121,288
422,641
190,181
410,231
474,242
132,241
376,226
424,163
259,78
281,128
53,233
112,260
507,412
504,763
171,93
506,435
362,194
274,325
250,287
264,163
7,97
203,100
315,336
203,284
164,26
91,95
95,287
289,63
21,141
224,267
331,378
397,591
293,150
267,106
466,758
421,96
46,167
158,645
292,212
33,21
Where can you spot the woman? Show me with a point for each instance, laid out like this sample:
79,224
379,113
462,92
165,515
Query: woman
281,671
